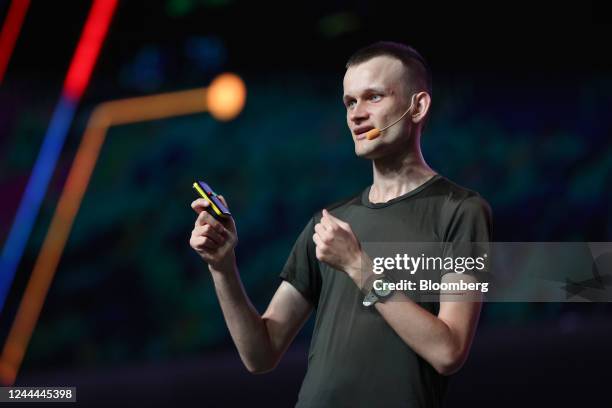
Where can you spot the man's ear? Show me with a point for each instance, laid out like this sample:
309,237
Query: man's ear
423,102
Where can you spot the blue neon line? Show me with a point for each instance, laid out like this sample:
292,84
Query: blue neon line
34,193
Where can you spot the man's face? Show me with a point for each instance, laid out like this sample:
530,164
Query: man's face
375,96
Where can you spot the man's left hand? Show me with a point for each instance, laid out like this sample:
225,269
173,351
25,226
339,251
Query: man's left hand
337,245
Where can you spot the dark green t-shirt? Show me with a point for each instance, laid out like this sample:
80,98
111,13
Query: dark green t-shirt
355,357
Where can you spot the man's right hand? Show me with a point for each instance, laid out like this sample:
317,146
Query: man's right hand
213,240
260,340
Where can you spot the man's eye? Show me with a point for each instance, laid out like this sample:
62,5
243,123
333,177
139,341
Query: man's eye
375,98
350,104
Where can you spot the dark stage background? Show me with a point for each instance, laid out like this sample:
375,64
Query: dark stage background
521,107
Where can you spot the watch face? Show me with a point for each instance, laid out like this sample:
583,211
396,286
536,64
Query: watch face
384,290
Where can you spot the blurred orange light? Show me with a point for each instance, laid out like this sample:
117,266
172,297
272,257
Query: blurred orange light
226,96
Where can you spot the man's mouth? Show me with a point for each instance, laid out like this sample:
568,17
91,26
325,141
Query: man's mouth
360,132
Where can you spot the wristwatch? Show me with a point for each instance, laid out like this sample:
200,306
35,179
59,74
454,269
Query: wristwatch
375,295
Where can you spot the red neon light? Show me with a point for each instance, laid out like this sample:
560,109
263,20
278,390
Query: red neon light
88,48
10,32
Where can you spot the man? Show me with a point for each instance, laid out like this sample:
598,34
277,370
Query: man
391,353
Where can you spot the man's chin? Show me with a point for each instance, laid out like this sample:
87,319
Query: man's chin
367,153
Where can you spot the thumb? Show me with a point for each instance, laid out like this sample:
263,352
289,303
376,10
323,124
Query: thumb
223,200
334,219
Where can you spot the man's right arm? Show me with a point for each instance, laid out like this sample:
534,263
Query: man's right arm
261,340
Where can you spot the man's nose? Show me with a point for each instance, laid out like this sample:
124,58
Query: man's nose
359,112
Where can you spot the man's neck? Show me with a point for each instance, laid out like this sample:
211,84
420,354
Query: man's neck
397,175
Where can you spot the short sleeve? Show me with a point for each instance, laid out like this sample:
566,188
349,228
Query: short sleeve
302,267
469,230
471,222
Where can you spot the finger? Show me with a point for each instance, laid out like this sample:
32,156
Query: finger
200,204
223,201
325,225
205,218
209,231
327,216
330,217
322,231
205,243
333,219
317,239
328,223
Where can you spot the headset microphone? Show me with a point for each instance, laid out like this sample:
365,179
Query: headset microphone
374,133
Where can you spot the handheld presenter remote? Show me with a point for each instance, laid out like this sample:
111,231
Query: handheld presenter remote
216,207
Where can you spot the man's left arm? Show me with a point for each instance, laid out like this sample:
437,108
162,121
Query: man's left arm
444,340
